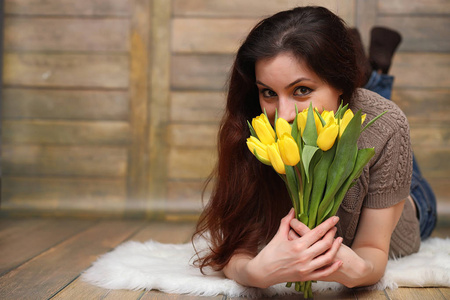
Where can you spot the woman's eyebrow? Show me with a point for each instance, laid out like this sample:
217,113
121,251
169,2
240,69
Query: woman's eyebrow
297,81
290,84
260,83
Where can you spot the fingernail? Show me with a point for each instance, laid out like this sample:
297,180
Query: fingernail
335,219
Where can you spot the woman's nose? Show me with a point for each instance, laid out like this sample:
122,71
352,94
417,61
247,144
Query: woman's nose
286,109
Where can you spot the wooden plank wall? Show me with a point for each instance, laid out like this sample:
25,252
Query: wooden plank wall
66,106
112,106
422,83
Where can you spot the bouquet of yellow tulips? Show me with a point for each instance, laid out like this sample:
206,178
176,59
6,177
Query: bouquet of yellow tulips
317,157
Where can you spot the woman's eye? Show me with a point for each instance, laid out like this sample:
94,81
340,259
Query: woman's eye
302,91
268,93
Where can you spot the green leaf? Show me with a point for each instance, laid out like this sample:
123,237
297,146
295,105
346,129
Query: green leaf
343,163
310,132
307,155
275,122
294,131
319,182
303,218
373,120
252,131
309,184
341,111
292,185
320,117
363,157
260,159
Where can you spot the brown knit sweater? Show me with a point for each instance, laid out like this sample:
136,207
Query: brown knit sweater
386,179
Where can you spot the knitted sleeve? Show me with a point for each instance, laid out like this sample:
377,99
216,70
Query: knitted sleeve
391,168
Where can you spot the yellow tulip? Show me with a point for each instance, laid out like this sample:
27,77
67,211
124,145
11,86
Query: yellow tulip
327,137
318,123
255,145
282,126
263,129
288,150
348,115
301,120
275,158
328,116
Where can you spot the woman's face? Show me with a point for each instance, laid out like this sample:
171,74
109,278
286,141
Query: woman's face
285,82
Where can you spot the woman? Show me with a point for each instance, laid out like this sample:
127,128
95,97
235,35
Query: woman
291,59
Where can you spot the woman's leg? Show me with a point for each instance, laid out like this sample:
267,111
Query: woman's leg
381,52
425,202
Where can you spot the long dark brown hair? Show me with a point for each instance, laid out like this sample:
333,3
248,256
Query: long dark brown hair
249,199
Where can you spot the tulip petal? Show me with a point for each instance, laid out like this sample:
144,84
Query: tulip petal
327,137
258,149
275,158
289,150
263,129
282,126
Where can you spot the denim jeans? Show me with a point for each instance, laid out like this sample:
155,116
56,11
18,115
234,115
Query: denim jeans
420,190
380,84
425,201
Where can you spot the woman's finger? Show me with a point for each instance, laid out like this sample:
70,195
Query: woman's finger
283,230
300,228
328,256
326,271
317,233
292,235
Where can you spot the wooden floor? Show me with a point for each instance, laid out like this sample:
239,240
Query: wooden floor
43,258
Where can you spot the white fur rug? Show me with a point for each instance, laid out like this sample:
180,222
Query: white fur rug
167,267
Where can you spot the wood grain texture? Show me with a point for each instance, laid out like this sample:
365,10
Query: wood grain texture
185,196
139,78
41,234
366,14
63,194
45,132
433,161
430,135
65,34
414,7
54,272
63,104
36,160
190,135
238,9
118,102
158,231
189,106
415,294
441,191
46,274
421,70
191,163
82,290
65,70
423,105
119,8
209,35
253,8
200,72
420,33
78,289
159,102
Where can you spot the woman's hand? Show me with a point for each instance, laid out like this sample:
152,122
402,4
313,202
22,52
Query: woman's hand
364,263
310,255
